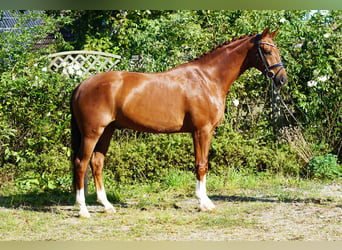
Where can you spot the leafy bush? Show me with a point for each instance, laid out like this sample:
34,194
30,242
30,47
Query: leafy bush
308,42
35,133
141,157
323,167
250,155
34,103
135,157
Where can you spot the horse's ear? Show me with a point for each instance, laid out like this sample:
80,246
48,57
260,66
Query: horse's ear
274,33
265,32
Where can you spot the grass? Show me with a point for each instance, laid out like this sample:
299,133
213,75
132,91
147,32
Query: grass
249,207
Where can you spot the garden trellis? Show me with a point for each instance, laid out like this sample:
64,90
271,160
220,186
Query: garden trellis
82,62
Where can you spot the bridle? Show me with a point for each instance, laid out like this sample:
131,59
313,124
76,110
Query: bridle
268,73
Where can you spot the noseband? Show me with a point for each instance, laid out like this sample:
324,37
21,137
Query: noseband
268,72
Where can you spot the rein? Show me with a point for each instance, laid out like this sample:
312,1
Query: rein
268,73
273,87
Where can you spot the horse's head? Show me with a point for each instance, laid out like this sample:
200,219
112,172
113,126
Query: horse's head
268,57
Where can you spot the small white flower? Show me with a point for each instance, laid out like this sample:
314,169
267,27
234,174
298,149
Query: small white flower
76,67
71,70
311,83
64,72
327,35
35,65
236,102
79,72
315,72
44,69
282,20
322,78
298,46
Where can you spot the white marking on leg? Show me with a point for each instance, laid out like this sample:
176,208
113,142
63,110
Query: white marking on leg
201,193
80,201
102,198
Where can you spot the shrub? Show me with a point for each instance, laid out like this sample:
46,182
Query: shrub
35,122
251,155
145,157
323,167
137,157
34,103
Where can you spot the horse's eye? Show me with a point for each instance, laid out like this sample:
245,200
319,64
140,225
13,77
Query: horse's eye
268,52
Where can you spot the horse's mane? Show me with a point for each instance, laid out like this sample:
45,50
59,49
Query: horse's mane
224,44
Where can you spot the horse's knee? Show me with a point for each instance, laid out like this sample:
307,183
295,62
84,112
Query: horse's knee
79,173
96,163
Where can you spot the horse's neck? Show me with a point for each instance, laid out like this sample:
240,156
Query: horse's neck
228,63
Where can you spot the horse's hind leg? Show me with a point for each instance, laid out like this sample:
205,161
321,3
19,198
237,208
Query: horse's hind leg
81,163
96,163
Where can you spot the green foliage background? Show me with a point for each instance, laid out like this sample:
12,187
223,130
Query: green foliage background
34,103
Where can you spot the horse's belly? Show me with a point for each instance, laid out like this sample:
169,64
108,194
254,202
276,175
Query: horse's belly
149,116
154,124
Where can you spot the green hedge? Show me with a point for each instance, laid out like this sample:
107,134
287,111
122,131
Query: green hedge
34,103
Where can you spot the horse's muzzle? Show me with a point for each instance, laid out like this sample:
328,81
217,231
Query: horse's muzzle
282,80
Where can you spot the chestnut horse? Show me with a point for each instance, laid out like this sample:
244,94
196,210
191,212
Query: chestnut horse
188,98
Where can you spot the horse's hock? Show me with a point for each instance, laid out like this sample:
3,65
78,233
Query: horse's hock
82,62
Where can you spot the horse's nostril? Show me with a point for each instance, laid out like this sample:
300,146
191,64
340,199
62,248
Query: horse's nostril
283,80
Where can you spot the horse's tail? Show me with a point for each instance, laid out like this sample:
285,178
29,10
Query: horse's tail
75,147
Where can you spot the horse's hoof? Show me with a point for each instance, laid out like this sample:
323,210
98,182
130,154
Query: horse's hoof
110,210
207,207
84,216
204,209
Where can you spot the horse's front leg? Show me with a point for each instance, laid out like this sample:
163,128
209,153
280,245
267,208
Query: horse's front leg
202,140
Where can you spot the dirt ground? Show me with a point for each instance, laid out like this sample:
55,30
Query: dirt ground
238,216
